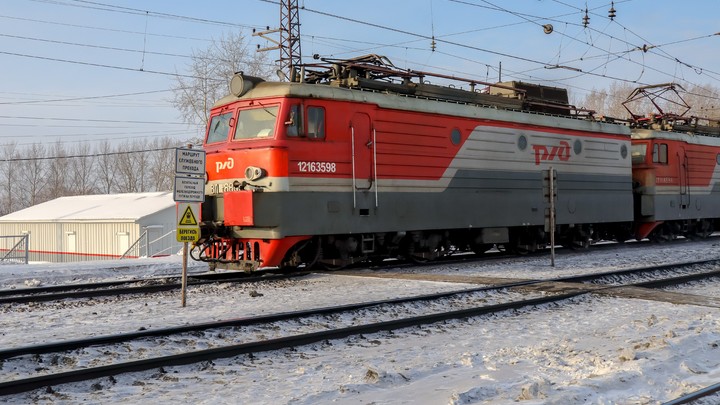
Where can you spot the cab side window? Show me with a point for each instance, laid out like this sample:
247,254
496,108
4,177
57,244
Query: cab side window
316,122
660,153
294,123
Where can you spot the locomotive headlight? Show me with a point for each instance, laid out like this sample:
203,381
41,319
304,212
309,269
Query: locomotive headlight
253,173
241,83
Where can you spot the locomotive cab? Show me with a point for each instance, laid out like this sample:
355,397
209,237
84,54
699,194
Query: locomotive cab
254,145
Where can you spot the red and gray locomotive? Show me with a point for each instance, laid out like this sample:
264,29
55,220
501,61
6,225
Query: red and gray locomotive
362,161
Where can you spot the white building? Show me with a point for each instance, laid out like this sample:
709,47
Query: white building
96,227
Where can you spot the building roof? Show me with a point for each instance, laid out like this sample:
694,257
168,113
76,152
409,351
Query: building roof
100,207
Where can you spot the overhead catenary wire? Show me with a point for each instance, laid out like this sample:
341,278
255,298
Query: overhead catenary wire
106,7
472,47
135,11
21,159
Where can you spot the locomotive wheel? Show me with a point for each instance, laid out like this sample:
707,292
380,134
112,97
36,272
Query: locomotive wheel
526,241
334,264
579,242
622,234
307,252
662,234
577,238
421,248
415,256
481,248
703,229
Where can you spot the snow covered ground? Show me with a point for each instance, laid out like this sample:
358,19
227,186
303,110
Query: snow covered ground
592,350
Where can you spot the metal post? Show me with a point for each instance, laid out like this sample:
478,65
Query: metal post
27,248
184,273
147,243
551,184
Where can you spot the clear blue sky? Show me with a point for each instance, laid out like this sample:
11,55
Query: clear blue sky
52,51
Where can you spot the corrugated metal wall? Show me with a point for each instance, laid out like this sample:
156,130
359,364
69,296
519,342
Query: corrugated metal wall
82,241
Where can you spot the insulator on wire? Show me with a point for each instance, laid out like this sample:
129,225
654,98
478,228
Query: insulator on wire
433,44
611,12
586,18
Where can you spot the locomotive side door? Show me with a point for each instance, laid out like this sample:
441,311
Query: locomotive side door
684,179
363,151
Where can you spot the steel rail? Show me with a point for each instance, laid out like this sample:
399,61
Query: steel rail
98,289
256,320
693,396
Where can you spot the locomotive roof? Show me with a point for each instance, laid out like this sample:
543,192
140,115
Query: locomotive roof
675,136
266,90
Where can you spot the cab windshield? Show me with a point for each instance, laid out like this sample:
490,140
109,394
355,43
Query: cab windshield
638,152
256,123
219,128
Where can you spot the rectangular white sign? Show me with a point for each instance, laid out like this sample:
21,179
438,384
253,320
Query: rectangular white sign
190,161
189,189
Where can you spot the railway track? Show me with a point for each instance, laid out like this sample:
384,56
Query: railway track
138,286
314,325
170,283
709,395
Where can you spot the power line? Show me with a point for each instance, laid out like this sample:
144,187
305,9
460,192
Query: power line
104,66
87,97
135,11
104,29
91,120
494,7
95,46
32,159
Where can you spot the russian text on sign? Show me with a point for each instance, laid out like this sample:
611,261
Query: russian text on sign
190,161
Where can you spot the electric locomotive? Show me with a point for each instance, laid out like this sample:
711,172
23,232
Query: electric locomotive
676,168
356,160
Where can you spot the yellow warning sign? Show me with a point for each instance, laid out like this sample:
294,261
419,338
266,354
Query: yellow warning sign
188,218
188,234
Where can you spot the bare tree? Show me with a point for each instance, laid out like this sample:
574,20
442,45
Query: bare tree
211,70
81,171
704,101
9,170
161,170
57,168
106,167
32,174
608,102
133,165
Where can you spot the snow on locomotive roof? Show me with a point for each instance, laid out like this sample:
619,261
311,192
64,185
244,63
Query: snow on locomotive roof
100,208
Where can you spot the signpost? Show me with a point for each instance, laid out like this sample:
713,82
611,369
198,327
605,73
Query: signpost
550,192
189,190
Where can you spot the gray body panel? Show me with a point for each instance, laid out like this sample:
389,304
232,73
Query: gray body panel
495,199
676,206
